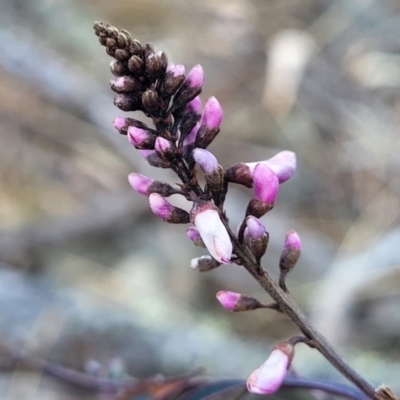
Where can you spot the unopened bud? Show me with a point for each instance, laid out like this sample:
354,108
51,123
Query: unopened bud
237,302
205,160
204,263
135,64
118,68
165,149
212,117
152,65
131,102
212,114
125,84
174,78
291,252
167,211
122,124
195,77
141,139
205,217
150,100
121,55
256,236
267,378
146,186
266,187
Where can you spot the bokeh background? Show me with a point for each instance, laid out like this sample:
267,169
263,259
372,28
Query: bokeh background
89,275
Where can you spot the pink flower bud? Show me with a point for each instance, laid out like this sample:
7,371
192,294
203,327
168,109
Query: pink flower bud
237,302
195,77
176,70
206,219
167,211
266,184
255,228
194,106
283,164
206,160
212,115
267,378
194,235
140,183
228,299
140,138
119,123
292,241
162,145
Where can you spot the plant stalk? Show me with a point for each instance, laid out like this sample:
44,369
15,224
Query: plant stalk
289,307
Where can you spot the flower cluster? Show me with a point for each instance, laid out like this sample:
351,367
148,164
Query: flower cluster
178,139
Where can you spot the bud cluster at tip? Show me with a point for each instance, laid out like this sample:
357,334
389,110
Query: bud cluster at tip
180,132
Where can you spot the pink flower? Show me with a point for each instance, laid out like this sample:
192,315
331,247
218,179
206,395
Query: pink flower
267,378
283,164
206,219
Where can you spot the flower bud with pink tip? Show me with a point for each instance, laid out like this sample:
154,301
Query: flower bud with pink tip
195,77
267,378
204,263
212,118
256,237
212,170
212,114
194,235
140,138
166,211
146,186
164,149
125,84
205,160
237,302
290,255
205,217
266,187
174,78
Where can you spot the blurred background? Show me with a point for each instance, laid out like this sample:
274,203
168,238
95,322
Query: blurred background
90,277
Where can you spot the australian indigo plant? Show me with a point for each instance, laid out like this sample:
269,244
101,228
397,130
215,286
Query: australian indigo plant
145,81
